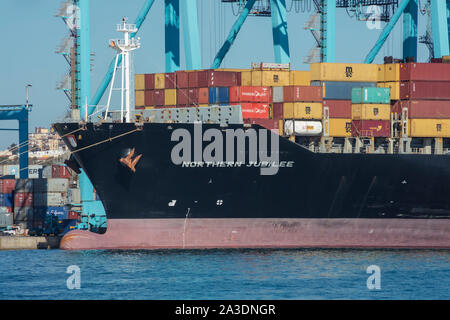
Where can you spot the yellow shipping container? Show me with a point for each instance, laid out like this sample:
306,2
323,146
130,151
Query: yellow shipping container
170,97
139,98
139,82
159,81
339,127
270,78
288,110
308,110
371,111
381,72
394,86
299,78
246,78
203,105
149,107
302,110
391,72
360,72
429,128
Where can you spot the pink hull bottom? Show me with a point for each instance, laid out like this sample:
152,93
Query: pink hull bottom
263,233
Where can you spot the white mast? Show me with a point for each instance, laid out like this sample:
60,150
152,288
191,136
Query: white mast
124,47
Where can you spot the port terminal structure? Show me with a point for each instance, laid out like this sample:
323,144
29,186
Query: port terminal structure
436,39
19,113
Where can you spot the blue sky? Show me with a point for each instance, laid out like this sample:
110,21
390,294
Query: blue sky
31,33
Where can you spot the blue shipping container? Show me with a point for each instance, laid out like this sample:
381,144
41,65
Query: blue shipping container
219,95
6,200
60,212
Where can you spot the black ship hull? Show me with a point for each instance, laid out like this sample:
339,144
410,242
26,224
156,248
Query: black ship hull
313,199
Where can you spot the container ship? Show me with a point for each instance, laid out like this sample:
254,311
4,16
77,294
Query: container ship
342,155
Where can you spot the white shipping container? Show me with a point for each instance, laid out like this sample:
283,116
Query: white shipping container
51,185
278,94
6,219
47,172
35,171
74,196
303,128
50,199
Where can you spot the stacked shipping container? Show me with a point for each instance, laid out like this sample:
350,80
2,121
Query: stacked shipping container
268,96
337,81
423,92
30,201
371,112
251,89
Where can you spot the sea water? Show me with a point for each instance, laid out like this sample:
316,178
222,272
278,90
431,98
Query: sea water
225,274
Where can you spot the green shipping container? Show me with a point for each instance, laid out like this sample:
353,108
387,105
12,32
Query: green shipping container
371,95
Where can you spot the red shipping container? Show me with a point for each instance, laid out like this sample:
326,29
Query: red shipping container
7,185
149,81
61,172
170,80
270,124
159,97
223,79
277,111
65,172
182,79
73,215
250,94
211,78
424,72
302,93
149,97
193,78
254,110
203,96
338,108
424,109
23,199
425,90
183,97
193,96
371,128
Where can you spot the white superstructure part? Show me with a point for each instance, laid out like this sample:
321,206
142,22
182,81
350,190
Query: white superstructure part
123,47
302,128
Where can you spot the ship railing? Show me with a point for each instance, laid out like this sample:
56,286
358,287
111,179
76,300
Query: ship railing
126,27
417,150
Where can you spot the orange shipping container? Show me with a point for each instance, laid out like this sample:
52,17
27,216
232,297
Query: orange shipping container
251,94
255,110
203,96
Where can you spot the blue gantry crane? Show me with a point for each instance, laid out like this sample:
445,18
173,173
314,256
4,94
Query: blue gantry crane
185,11
19,113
